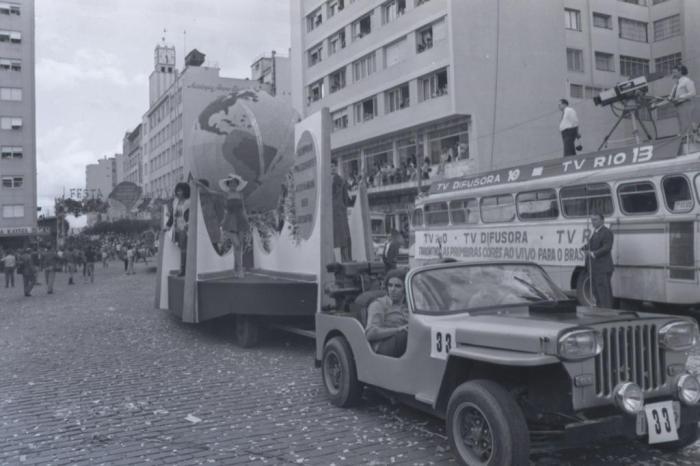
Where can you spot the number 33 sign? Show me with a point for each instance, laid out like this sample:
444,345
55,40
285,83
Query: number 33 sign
442,340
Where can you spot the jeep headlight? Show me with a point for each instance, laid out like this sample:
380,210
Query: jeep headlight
678,336
580,344
629,397
688,389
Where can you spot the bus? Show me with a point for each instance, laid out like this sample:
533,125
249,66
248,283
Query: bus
540,212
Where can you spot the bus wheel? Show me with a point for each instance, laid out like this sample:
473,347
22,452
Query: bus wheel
584,293
247,331
339,373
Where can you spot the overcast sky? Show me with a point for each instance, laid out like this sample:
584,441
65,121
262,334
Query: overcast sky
93,59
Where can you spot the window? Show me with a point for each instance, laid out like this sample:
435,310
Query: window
633,66
430,35
417,218
11,152
667,27
315,91
633,30
364,67
336,42
362,27
576,91
574,60
602,21
337,80
677,194
14,37
538,205
10,123
452,141
421,2
638,198
392,10
366,110
395,52
315,55
667,63
340,119
10,64
11,93
9,9
333,7
656,2
590,92
496,209
635,2
433,85
313,20
572,19
583,200
464,211
396,98
604,61
12,181
13,211
437,213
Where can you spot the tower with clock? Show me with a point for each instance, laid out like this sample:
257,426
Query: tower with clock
164,71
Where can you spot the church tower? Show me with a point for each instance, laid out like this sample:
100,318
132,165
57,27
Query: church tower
164,72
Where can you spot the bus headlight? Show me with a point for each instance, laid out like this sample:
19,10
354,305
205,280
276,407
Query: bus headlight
688,389
580,344
629,397
678,336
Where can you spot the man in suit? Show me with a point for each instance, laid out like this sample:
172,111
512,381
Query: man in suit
599,260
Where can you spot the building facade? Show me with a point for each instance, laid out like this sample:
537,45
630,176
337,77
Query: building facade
18,191
473,86
273,70
132,161
100,180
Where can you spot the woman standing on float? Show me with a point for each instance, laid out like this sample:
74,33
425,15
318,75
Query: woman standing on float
179,219
235,222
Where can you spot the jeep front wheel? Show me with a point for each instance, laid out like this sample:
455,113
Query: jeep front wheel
584,292
687,435
486,426
339,373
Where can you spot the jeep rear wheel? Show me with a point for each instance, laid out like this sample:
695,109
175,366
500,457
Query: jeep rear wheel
339,373
486,426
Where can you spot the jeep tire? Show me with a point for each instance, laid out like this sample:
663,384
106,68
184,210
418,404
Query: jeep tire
339,373
687,435
485,426
584,292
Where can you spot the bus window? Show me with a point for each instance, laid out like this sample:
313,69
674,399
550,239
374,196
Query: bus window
464,211
495,209
677,194
584,199
437,214
638,198
417,218
537,205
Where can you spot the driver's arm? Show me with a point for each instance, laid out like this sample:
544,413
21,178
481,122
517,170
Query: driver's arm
375,324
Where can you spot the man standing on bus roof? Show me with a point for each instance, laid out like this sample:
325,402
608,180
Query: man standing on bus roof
568,126
599,261
683,97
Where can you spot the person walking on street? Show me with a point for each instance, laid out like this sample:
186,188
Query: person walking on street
599,261
28,270
105,257
69,259
9,262
90,259
130,259
49,263
568,126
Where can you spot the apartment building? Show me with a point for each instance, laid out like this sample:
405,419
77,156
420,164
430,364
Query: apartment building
476,82
18,192
273,70
132,162
100,180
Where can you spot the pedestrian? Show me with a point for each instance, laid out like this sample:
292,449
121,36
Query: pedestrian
9,262
28,265
49,263
90,259
69,259
130,259
599,261
235,224
683,98
105,257
568,126
390,254
80,263
179,220
122,254
340,203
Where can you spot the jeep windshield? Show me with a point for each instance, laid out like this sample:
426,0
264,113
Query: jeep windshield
464,287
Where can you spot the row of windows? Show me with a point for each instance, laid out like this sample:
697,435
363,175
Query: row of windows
10,64
166,156
14,37
163,185
430,86
636,198
365,66
630,29
11,94
11,123
13,211
165,134
9,9
12,181
390,10
11,152
629,66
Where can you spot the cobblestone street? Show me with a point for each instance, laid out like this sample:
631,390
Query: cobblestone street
93,374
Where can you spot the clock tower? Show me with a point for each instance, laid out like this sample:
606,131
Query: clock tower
164,72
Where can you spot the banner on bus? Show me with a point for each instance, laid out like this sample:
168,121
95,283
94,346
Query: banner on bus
595,161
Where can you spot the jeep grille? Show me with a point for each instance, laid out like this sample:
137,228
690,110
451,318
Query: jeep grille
630,354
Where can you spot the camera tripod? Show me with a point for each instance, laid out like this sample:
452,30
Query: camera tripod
631,110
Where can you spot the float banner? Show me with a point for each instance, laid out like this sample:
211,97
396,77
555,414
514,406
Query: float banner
596,161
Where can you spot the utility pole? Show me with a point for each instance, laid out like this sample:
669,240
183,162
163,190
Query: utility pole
274,73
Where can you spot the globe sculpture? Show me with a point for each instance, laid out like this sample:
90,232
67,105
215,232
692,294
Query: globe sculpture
249,133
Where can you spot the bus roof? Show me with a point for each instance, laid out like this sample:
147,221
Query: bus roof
592,162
